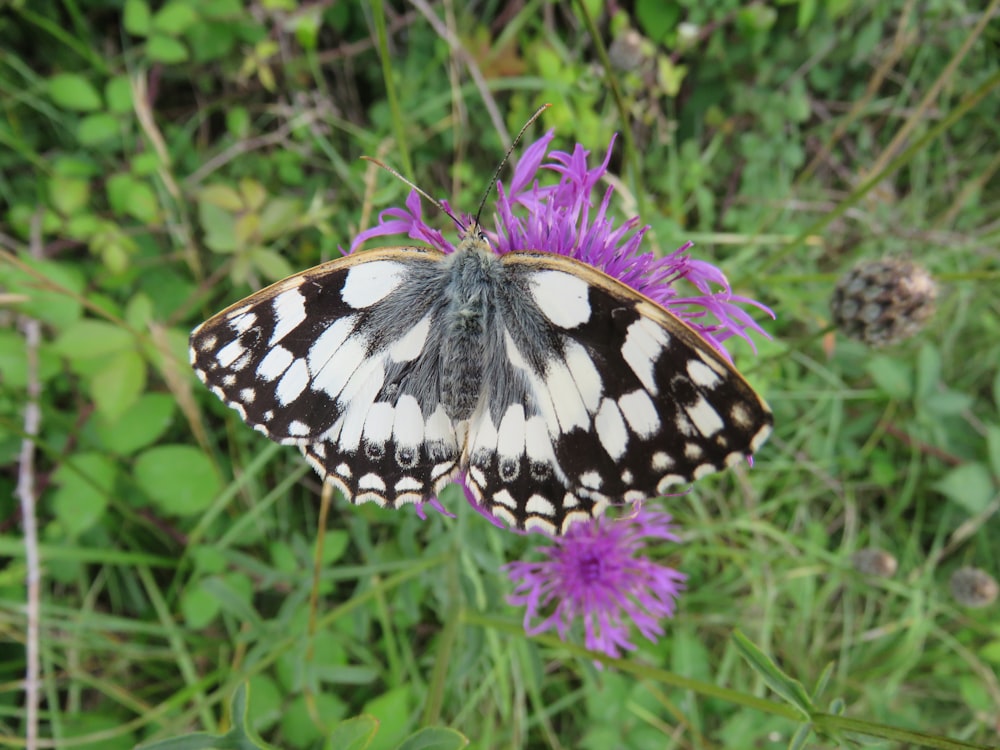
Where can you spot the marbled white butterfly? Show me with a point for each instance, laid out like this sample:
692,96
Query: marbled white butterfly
555,389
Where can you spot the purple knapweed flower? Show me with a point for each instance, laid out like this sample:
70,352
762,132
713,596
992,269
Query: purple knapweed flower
597,572
561,217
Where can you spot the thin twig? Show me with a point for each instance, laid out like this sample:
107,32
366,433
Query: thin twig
32,331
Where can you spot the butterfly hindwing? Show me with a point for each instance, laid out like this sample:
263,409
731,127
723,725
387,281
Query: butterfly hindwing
601,397
342,360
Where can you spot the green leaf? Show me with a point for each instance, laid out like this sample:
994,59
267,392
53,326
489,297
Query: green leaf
392,709
280,216
90,338
297,724
970,485
142,425
240,737
893,377
14,365
117,386
49,290
68,194
118,93
271,264
788,688
166,49
84,488
174,18
136,17
97,128
178,478
356,733
948,403
74,92
434,738
198,607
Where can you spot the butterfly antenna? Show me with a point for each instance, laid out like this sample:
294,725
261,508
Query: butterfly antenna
434,201
503,162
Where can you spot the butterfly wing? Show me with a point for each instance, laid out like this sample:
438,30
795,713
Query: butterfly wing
598,396
342,360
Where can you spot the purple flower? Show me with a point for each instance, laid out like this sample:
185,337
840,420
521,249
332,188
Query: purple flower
597,573
560,216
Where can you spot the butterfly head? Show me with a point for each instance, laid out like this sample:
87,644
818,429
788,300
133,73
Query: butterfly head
475,239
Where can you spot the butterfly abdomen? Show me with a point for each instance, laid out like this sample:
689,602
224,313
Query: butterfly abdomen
474,280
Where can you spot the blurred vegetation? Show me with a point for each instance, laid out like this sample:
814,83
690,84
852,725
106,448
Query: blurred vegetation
160,161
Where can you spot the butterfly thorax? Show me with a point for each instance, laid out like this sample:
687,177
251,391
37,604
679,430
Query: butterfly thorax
476,275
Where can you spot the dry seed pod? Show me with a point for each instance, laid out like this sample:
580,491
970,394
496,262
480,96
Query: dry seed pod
972,587
874,562
883,302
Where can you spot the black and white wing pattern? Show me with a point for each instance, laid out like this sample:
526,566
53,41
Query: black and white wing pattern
341,360
595,395
556,389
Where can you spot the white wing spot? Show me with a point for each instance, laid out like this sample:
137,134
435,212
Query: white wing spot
331,376
289,312
739,414
229,380
640,413
292,383
298,429
247,395
592,480
371,482
242,320
611,430
477,476
570,500
378,423
510,436
562,297
504,515
701,374
538,505
577,516
343,470
643,345
759,438
372,282
328,342
230,353
408,347
704,470
275,363
409,484
408,429
503,497
669,481
693,451
533,523
705,418
585,375
570,409
661,461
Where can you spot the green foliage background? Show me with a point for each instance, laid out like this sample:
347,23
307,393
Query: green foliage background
160,161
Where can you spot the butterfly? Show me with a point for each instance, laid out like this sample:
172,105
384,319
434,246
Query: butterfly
553,389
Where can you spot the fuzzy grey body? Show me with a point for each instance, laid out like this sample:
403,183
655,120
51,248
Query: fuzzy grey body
474,278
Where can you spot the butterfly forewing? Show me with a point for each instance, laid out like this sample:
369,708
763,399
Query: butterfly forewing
342,361
602,397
